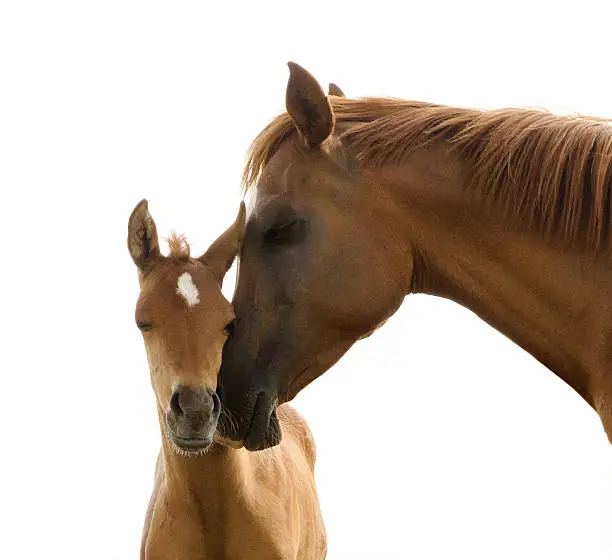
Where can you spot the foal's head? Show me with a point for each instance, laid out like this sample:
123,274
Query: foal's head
184,320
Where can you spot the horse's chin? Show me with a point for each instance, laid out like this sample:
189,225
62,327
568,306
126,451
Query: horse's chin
265,430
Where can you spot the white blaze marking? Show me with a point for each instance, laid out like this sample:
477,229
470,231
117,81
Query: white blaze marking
188,289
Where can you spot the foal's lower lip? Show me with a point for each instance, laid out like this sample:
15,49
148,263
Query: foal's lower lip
191,443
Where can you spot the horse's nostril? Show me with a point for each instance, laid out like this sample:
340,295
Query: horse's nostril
216,403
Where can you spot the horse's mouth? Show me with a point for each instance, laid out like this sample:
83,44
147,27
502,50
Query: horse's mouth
264,429
259,427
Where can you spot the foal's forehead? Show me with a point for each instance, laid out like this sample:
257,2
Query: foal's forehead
180,286
187,289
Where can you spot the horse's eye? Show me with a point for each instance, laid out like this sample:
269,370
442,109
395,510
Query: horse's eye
283,232
229,328
144,326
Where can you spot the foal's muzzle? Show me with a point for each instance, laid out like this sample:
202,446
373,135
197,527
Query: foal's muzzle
192,417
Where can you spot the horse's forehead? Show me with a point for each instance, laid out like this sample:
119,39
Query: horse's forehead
296,172
276,188
292,164
280,175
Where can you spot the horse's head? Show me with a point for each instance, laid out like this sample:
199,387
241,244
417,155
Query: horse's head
314,276
184,320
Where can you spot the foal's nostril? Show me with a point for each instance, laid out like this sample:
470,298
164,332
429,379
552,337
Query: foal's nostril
187,401
175,404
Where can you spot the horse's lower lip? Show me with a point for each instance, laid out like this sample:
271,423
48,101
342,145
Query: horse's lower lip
264,430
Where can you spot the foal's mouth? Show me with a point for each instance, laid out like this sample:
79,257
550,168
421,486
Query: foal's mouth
189,446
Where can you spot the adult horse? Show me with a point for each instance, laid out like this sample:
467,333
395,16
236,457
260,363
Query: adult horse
361,202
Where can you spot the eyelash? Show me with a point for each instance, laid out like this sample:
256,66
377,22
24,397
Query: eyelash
281,232
143,326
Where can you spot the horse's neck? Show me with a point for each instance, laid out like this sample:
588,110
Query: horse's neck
549,300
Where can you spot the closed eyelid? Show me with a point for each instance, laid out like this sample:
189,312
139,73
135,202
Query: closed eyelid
276,212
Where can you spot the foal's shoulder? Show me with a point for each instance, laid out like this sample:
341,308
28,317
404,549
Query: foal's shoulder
294,425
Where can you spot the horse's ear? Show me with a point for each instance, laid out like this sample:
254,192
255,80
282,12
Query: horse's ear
142,241
221,254
335,90
308,106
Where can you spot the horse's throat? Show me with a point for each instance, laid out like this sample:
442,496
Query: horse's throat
543,298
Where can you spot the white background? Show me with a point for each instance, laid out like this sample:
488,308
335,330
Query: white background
437,437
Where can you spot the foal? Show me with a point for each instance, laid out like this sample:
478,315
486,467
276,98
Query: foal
210,501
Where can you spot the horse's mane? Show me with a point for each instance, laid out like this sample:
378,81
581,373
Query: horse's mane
553,172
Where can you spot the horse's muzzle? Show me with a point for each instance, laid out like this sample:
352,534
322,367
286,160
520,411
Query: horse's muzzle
256,426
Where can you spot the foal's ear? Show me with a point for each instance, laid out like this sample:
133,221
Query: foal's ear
308,106
335,90
223,251
142,241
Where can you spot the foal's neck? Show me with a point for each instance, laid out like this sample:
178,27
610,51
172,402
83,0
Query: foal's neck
208,481
546,298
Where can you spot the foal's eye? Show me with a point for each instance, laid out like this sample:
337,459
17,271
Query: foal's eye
144,326
284,232
229,328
